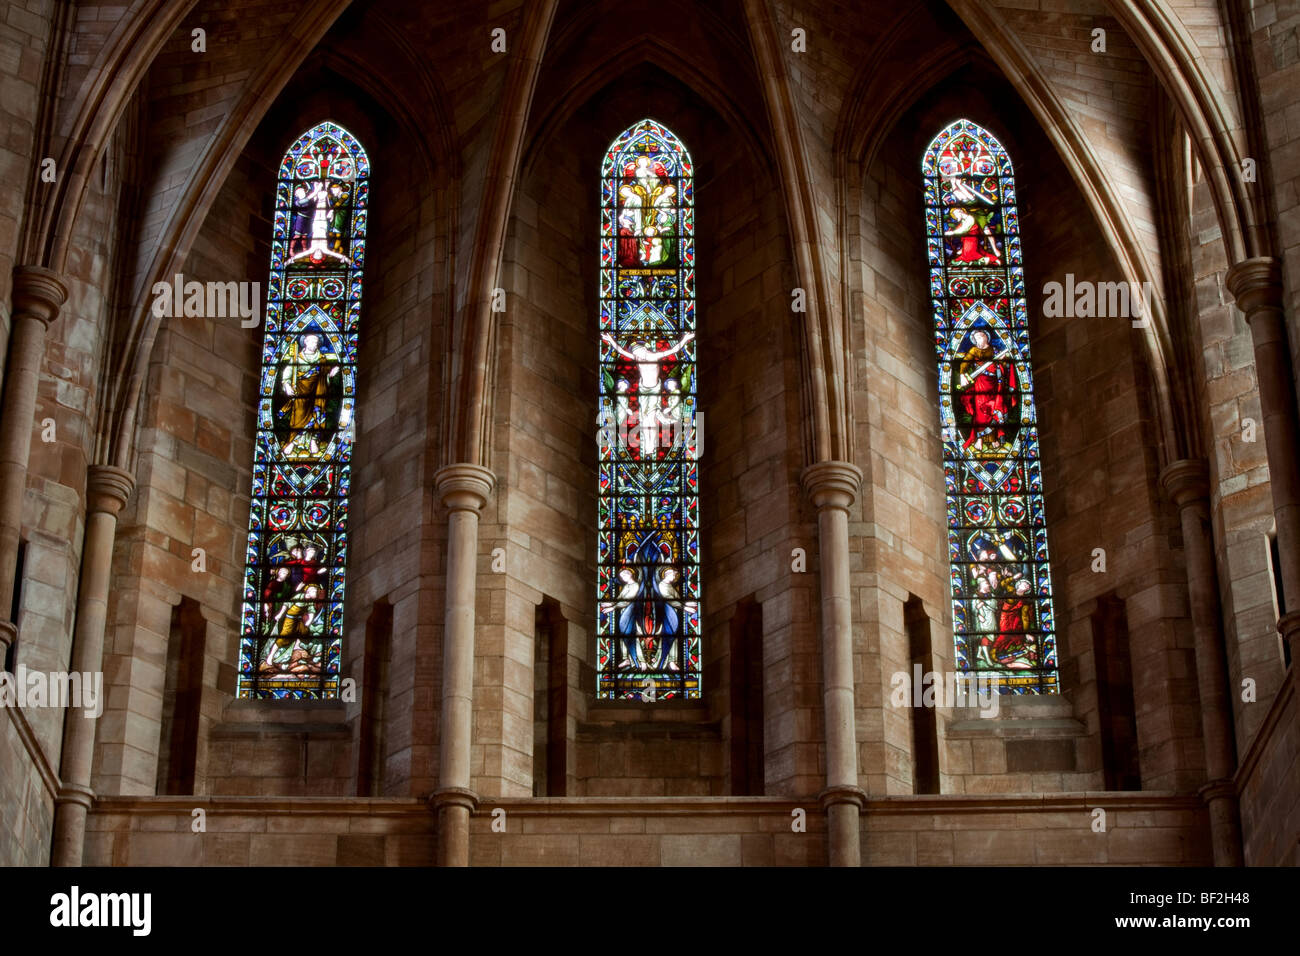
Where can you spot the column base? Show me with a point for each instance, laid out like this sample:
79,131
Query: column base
71,809
1220,798
454,805
843,805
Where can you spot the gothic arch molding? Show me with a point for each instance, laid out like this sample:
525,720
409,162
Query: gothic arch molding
1102,197
471,367
124,61
181,230
637,51
1170,53
471,389
824,359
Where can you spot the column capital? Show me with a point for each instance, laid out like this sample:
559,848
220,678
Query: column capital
832,484
107,489
1186,481
1256,284
38,292
464,487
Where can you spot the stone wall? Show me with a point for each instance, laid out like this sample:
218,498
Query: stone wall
256,831
1056,830
24,44
1266,782
63,442
1274,42
1232,424
1147,829
28,783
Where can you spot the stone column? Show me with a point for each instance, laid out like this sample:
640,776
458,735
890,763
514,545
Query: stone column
1256,284
38,295
1186,484
832,486
107,489
463,489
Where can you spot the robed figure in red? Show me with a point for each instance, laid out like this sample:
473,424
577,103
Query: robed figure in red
987,389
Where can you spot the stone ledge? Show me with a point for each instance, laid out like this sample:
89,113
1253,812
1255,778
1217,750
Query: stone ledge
285,712
654,806
1274,723
271,731
647,806
302,806
1046,802
1001,727
1019,715
677,719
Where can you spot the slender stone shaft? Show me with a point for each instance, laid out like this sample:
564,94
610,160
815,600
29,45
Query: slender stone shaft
832,486
463,489
1186,483
107,490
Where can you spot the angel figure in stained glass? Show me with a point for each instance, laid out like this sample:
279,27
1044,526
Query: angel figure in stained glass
668,623
627,625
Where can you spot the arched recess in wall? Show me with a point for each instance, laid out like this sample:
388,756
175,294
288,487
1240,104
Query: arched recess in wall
401,89
886,89
291,627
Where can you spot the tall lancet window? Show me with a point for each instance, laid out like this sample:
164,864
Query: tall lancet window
648,607
292,627
1003,624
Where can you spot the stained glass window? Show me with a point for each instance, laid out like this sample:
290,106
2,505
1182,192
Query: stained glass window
292,622
1003,624
648,605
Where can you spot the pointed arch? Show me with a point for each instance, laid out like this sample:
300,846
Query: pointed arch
1104,197
648,609
291,630
1000,577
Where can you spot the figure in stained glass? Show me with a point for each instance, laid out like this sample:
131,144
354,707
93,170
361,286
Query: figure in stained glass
986,387
652,411
309,377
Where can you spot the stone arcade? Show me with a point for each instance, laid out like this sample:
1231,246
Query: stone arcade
464,159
